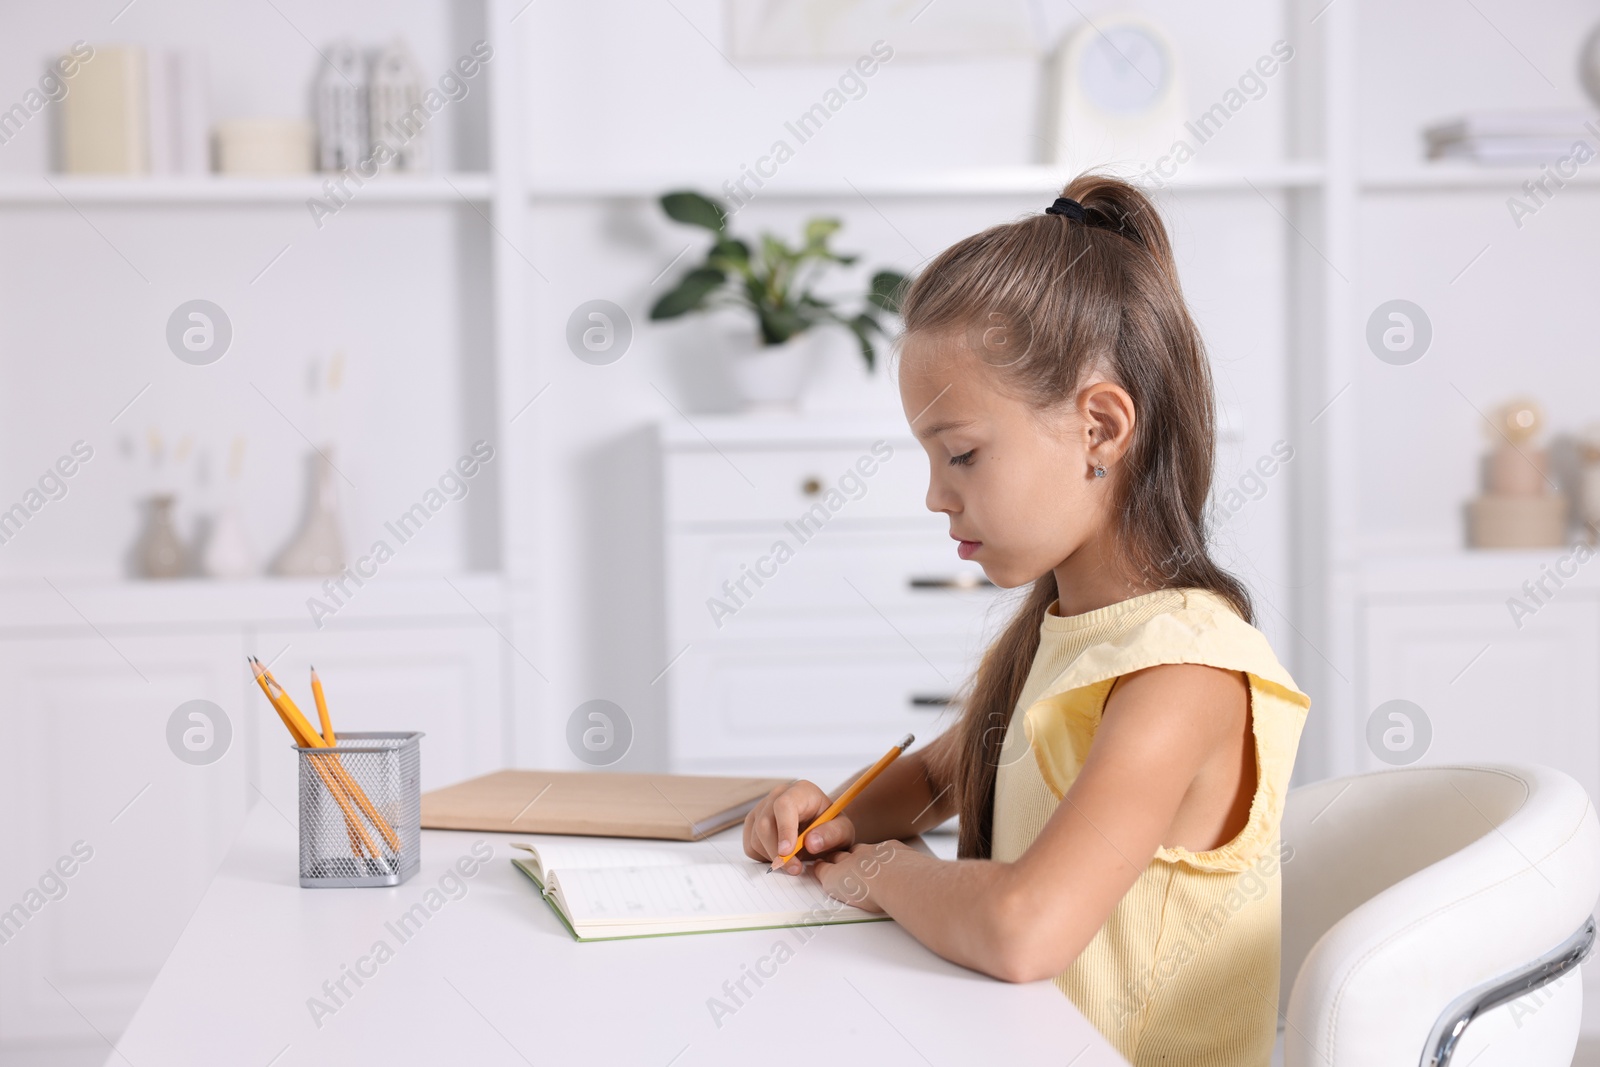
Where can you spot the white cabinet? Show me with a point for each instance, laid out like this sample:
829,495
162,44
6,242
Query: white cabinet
86,758
817,707
820,610
907,570
1492,692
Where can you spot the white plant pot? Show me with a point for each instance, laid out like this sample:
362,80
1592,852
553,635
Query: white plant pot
771,377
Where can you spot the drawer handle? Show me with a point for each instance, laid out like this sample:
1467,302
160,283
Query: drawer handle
932,700
959,581
811,486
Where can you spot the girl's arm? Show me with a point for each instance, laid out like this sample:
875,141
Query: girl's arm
1030,919
910,796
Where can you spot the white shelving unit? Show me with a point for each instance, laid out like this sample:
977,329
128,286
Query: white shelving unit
181,192
1025,179
1393,606
96,662
1439,177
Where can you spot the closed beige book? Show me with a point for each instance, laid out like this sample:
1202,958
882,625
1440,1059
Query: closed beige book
104,116
672,807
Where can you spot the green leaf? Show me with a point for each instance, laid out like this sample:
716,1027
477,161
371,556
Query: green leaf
776,272
730,253
887,290
867,323
695,210
861,326
755,291
780,324
775,254
690,295
819,230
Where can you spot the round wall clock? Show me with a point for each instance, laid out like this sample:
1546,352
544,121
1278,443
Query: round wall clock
1113,93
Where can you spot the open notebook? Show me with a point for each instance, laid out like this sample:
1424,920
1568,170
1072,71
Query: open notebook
602,891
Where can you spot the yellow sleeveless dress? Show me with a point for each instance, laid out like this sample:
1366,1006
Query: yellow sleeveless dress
1185,970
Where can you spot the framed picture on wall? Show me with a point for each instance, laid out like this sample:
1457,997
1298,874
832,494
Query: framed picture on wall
820,30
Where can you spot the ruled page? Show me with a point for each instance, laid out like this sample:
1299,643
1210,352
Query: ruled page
734,894
556,855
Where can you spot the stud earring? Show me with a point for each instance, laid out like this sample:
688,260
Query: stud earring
1099,471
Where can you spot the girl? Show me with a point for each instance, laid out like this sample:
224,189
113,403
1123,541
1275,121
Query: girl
1121,761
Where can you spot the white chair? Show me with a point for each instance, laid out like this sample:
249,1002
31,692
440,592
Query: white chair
1437,915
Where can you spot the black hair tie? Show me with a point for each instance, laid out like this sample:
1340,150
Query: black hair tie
1066,206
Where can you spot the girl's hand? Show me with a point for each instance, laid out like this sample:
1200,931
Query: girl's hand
771,827
848,876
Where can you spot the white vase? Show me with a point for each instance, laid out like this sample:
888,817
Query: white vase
228,553
771,377
160,552
318,548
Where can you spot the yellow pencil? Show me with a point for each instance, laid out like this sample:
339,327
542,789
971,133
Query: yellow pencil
314,740
360,842
358,833
322,708
844,798
322,714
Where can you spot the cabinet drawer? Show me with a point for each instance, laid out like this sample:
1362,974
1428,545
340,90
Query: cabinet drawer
1492,691
878,480
810,701
910,578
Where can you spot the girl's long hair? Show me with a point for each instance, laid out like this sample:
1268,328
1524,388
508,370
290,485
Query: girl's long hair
1045,300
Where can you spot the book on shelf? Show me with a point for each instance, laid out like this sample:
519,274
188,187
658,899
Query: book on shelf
103,119
1512,136
133,110
178,116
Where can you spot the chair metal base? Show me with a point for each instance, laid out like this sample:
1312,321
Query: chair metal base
1467,1007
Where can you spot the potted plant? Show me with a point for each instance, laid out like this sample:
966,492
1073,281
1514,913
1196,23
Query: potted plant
773,282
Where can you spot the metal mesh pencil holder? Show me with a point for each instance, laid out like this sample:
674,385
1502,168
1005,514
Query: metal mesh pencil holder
361,810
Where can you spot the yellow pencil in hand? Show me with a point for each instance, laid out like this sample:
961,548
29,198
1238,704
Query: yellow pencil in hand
844,798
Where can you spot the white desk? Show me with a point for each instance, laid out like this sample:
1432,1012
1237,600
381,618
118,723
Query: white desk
493,978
